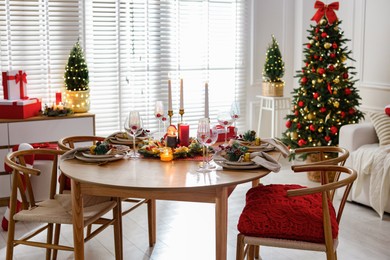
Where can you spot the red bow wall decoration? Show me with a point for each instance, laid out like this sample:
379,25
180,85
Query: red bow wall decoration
325,10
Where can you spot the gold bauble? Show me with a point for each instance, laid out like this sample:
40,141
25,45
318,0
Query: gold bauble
310,139
317,44
319,80
336,80
295,120
319,143
310,116
343,58
336,104
305,117
334,92
306,109
313,82
320,129
323,21
311,41
294,136
327,45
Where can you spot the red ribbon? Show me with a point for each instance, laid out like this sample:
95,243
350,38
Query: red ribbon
325,10
21,76
330,89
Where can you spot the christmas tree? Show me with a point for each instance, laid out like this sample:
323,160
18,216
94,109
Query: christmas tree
326,98
274,66
76,71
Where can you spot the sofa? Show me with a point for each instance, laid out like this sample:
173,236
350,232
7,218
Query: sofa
370,155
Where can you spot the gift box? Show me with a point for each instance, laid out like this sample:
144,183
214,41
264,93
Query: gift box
232,133
14,85
20,109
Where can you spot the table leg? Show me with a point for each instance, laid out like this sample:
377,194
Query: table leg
78,222
221,211
152,221
118,235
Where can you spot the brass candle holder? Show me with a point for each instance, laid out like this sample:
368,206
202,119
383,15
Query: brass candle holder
170,114
181,112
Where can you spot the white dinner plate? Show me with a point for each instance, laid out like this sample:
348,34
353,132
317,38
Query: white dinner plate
237,167
96,156
81,157
239,163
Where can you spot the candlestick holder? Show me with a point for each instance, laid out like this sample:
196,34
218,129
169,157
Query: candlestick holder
181,112
170,114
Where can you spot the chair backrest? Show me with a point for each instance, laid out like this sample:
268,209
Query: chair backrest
70,142
22,174
328,188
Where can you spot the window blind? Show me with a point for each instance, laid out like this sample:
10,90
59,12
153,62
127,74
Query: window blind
36,36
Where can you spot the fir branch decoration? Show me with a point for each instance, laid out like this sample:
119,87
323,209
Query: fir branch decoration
76,71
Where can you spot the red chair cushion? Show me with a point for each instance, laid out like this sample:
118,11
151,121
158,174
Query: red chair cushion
270,213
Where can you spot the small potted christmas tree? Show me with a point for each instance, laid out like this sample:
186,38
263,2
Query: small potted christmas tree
76,80
273,71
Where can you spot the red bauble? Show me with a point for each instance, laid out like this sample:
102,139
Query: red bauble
342,114
299,126
301,142
351,111
313,70
331,67
301,103
327,138
322,109
304,80
347,91
317,30
315,95
296,113
315,57
332,55
307,64
312,128
321,70
308,45
334,45
324,34
288,124
321,58
345,75
334,130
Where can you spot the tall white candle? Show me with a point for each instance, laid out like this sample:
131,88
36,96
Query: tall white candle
169,95
206,102
181,95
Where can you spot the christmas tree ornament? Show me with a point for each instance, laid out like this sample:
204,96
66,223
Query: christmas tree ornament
336,80
310,139
319,80
294,135
336,104
327,45
343,58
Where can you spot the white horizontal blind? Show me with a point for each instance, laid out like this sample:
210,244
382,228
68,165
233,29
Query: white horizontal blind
133,47
36,36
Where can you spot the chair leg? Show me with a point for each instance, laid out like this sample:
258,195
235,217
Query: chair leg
57,231
257,252
251,252
240,252
89,230
49,240
11,237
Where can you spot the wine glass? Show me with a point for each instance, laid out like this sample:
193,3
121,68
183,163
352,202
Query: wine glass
209,142
159,114
133,126
203,134
235,111
225,119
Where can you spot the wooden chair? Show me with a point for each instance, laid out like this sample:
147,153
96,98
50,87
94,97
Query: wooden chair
71,142
56,209
271,206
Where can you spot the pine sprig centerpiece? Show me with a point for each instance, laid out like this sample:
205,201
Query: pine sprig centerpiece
76,75
326,98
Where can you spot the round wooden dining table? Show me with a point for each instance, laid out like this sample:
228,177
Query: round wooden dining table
177,180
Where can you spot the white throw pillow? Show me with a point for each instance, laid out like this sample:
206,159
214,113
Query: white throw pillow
381,123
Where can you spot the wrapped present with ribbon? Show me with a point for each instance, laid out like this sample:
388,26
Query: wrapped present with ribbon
231,133
20,109
14,85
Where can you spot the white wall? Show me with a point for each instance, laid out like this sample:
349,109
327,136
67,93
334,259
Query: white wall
364,22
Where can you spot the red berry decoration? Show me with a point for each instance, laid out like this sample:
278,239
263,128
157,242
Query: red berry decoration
308,45
331,67
301,103
315,57
312,128
307,64
313,70
288,124
334,130
342,114
332,55
301,142
317,30
351,111
345,75
324,34
296,113
321,58
322,109
347,91
327,138
315,95
299,126
334,45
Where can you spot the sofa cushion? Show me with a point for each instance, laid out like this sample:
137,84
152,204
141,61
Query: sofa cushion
381,123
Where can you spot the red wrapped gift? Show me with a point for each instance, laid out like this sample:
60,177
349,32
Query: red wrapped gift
19,109
232,132
14,85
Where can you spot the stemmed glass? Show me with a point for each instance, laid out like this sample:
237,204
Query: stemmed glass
133,126
209,142
225,119
159,114
203,134
235,111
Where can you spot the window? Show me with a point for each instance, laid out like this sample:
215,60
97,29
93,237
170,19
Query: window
132,48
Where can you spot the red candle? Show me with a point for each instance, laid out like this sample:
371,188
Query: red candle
184,134
58,98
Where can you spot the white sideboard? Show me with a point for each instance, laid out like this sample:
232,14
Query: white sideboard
38,130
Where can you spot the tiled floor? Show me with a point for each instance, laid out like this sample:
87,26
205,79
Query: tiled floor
186,231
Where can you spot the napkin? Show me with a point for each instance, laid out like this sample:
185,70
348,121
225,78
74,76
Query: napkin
281,147
71,153
265,160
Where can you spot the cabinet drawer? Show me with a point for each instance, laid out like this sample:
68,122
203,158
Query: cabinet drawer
49,130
